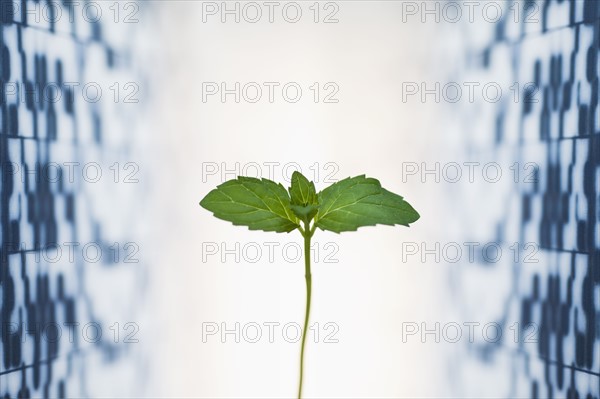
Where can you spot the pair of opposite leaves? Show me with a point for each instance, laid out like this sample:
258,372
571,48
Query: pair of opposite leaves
262,204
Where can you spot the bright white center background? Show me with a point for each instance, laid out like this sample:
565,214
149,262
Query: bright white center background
370,292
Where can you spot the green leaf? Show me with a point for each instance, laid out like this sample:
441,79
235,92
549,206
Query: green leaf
302,191
360,201
305,213
260,204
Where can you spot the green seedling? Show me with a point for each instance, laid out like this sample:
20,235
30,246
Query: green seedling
261,204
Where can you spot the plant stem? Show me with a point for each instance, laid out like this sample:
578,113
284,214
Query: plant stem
307,275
